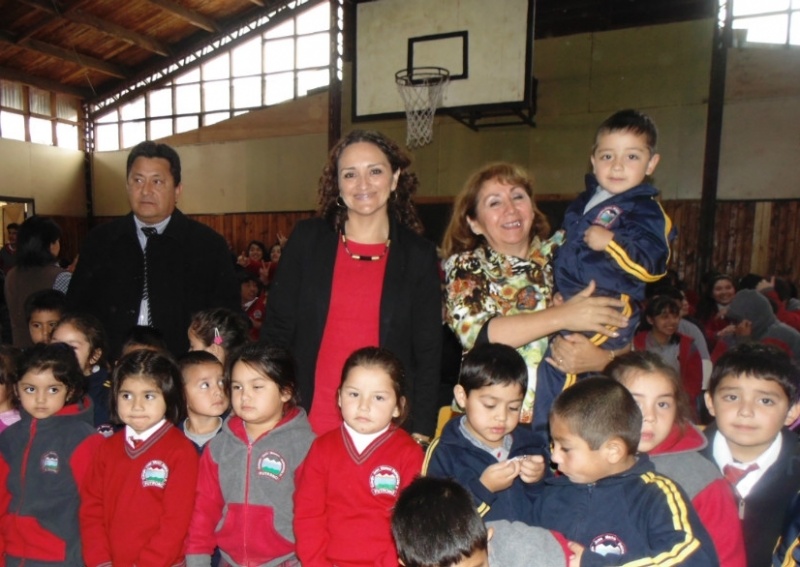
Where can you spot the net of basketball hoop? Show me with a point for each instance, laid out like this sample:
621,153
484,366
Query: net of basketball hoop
422,89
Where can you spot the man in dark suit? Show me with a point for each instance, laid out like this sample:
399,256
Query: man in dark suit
153,266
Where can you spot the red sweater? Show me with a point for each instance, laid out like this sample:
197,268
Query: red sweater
343,502
138,502
678,457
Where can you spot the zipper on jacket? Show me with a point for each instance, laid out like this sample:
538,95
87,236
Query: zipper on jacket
25,457
247,498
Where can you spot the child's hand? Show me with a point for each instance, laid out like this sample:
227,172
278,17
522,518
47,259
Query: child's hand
577,553
597,237
499,476
532,468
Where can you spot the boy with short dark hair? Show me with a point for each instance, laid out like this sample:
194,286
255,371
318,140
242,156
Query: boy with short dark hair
609,501
484,450
43,311
754,395
617,236
206,400
434,524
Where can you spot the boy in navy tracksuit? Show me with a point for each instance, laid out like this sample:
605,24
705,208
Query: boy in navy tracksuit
617,236
607,500
754,395
484,450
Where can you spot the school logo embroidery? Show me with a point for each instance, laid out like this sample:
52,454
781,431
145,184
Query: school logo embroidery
50,462
106,430
155,473
384,480
272,465
608,544
607,216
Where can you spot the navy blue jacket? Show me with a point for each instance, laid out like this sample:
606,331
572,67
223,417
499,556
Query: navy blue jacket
637,515
453,456
766,507
637,255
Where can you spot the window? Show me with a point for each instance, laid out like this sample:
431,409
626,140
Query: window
35,115
282,63
774,22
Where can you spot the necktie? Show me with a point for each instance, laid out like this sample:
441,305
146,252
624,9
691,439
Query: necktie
135,442
148,232
735,474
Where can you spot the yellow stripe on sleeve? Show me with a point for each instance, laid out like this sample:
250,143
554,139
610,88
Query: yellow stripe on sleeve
680,521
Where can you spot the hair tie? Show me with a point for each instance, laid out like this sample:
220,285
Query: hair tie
217,338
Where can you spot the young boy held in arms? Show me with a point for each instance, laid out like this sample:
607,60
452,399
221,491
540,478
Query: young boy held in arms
753,395
484,450
617,236
607,501
436,525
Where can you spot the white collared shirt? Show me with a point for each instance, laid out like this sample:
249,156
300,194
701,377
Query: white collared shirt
362,440
144,436
722,456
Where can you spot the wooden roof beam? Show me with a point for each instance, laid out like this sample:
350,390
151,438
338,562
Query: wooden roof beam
148,43
194,18
85,61
104,26
45,84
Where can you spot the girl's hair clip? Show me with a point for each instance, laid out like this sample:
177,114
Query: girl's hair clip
217,337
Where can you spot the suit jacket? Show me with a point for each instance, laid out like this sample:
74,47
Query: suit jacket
189,269
410,310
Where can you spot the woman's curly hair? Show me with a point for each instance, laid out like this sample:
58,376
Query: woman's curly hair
400,206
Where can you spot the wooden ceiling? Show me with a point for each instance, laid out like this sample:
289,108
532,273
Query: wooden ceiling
91,48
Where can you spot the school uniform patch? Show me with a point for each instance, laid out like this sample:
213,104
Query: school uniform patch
608,544
49,462
272,465
106,430
384,480
155,473
607,216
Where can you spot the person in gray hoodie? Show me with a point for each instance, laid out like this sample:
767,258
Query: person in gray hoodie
755,321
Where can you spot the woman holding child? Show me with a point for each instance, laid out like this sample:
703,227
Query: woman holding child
360,275
499,278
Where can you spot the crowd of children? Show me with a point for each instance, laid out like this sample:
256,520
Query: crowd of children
208,459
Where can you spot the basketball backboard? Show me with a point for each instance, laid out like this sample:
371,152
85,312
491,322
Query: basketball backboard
487,45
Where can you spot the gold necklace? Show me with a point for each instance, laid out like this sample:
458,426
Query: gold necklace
365,258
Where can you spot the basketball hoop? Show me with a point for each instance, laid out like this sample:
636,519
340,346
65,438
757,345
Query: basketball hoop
422,89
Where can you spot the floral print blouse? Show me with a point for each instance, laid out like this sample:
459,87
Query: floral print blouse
483,283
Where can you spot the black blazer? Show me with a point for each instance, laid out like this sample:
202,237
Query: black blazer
410,311
190,269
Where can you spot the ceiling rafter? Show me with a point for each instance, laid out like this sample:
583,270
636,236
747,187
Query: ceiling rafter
48,19
194,18
80,59
78,16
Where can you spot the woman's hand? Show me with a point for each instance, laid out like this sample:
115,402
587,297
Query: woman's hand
243,260
575,354
585,313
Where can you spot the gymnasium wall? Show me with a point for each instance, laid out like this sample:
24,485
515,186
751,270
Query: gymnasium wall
52,176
